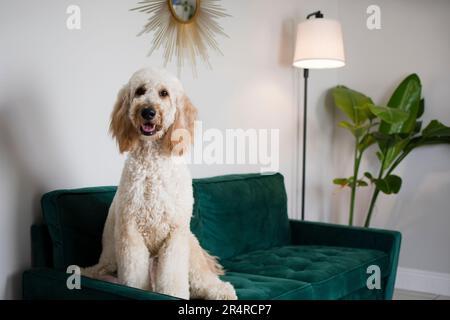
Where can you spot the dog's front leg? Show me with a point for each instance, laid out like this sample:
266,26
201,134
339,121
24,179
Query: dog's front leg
172,271
132,255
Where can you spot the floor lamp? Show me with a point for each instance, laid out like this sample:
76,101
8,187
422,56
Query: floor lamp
319,45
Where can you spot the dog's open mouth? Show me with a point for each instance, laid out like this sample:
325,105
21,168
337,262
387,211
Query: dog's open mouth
148,129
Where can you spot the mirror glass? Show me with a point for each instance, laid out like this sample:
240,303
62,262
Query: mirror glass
183,10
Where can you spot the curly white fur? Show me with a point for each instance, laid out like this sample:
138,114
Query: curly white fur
147,238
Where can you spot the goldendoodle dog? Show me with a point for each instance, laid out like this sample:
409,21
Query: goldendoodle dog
147,239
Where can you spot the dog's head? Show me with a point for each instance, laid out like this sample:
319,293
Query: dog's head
153,107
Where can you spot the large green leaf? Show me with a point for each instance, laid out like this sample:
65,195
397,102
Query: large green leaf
380,156
436,129
435,140
384,140
366,142
434,133
356,130
391,146
390,184
394,150
382,137
389,115
406,98
352,103
418,127
421,110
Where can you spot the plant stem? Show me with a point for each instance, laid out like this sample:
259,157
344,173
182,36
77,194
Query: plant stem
356,163
377,191
372,205
374,197
397,162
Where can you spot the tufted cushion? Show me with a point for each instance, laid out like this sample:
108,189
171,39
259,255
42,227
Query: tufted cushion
251,287
333,272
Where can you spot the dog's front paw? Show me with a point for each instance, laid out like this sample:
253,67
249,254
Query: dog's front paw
90,272
226,292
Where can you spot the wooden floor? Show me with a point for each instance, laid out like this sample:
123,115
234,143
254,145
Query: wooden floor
412,295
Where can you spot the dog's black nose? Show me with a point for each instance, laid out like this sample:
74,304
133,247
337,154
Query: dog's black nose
148,113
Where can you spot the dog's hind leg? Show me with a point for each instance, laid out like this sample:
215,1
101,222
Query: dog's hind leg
204,274
107,263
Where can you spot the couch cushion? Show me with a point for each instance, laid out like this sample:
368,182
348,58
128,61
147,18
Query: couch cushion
333,272
254,287
240,213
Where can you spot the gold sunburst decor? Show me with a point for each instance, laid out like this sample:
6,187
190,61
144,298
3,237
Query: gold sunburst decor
183,28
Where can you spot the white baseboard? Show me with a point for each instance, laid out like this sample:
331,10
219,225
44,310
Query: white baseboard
423,281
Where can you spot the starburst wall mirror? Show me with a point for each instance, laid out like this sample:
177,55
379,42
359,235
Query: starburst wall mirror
186,29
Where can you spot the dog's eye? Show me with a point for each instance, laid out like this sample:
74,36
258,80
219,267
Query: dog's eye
163,93
140,91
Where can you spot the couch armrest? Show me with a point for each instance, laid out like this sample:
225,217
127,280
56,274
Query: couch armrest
317,233
50,284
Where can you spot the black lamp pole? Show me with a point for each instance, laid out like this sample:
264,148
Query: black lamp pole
316,14
305,114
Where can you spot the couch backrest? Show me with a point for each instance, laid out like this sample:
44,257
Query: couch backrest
240,213
232,215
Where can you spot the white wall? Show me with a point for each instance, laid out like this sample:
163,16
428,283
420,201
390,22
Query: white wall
57,88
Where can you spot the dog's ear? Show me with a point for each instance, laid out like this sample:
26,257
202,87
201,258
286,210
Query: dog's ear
180,135
121,127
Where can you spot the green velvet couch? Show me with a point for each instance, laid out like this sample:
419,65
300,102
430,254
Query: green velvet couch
243,220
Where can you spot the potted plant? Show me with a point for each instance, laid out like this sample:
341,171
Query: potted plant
395,129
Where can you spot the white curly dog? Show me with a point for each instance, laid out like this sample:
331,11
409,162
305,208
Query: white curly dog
147,238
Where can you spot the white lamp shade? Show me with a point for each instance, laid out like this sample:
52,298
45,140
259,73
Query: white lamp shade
319,44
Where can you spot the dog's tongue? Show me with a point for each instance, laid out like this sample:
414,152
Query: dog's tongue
148,127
